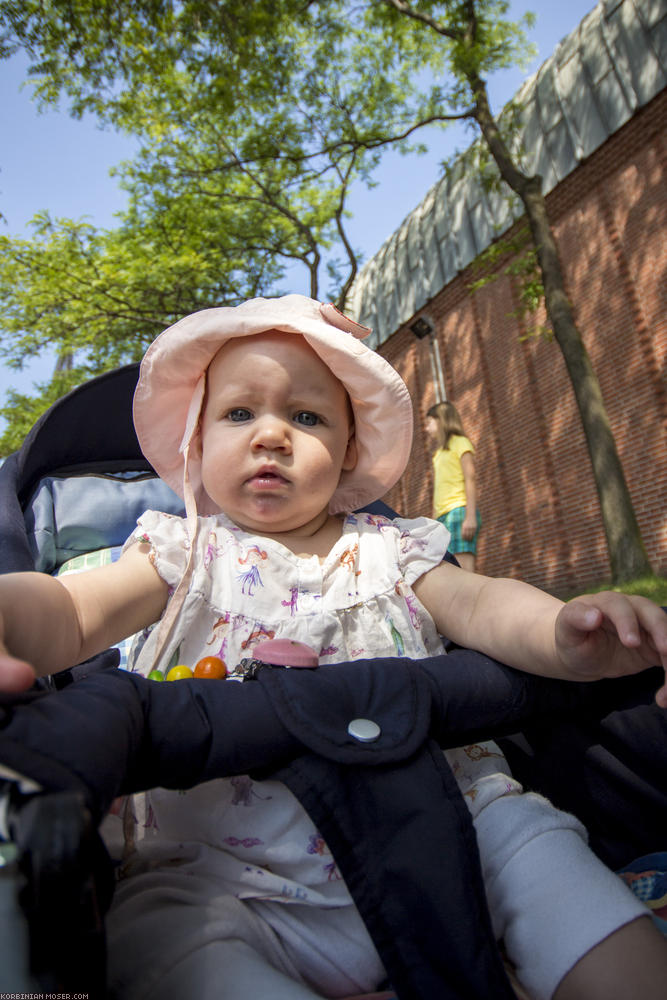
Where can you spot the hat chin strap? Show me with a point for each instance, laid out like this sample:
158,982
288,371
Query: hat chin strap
174,606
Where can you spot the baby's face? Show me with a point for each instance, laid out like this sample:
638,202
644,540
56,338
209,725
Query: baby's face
276,433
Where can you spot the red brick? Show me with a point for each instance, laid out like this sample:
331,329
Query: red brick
537,494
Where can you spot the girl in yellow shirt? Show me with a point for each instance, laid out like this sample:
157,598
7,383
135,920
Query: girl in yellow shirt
454,490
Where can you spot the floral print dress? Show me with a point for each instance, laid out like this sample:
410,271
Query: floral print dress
356,603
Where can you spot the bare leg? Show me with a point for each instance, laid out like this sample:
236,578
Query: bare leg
631,962
466,560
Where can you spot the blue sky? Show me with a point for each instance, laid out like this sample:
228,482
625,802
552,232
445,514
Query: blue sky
56,163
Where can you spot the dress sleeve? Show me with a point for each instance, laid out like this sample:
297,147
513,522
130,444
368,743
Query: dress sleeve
167,536
422,544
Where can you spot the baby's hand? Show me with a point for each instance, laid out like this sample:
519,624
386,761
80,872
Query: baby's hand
609,635
15,675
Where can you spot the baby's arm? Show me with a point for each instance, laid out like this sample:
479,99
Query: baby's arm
49,624
506,619
599,635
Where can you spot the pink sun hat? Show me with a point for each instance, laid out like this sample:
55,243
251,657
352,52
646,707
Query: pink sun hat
170,391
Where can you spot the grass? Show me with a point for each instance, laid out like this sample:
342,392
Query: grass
654,587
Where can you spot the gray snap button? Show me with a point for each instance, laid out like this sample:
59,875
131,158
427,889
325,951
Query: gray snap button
364,730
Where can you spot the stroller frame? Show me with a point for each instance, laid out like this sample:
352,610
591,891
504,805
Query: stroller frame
600,752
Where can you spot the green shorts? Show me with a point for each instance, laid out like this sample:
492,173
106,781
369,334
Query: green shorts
453,520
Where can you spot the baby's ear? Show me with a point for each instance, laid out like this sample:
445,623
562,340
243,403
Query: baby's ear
351,453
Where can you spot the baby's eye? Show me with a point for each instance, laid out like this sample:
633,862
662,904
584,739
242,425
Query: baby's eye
239,414
307,418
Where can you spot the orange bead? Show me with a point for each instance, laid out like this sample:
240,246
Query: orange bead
212,667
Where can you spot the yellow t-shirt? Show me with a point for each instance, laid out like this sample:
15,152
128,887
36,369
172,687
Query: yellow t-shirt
448,487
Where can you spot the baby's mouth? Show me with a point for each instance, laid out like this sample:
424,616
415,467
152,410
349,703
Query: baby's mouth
267,479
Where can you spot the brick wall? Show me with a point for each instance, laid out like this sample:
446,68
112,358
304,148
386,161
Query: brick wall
537,495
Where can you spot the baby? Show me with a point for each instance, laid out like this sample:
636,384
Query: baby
275,422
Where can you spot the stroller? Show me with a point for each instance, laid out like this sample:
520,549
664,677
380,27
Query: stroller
68,499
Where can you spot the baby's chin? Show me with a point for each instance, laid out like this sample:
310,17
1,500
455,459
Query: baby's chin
267,518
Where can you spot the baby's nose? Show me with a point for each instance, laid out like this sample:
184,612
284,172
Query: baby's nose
271,433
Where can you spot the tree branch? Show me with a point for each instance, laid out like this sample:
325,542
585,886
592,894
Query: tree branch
417,15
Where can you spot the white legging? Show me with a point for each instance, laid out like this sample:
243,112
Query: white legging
550,899
227,970
174,934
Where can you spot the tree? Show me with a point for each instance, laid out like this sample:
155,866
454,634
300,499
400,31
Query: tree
471,40
275,108
229,189
99,298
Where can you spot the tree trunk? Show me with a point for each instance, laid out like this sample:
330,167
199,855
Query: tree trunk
627,555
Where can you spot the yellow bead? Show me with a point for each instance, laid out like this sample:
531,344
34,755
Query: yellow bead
179,672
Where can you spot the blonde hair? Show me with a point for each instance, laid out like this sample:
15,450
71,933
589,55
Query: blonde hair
449,423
